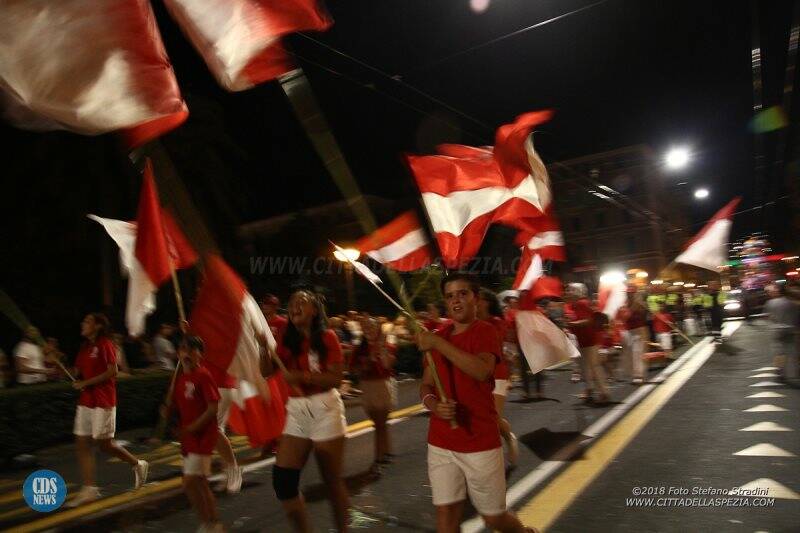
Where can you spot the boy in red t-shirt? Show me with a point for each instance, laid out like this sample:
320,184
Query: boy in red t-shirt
197,399
466,459
96,415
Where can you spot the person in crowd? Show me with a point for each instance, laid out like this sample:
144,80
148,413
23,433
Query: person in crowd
315,418
373,361
716,300
353,325
609,340
163,349
197,399
122,361
466,459
583,324
488,309
29,359
784,315
400,330
277,323
636,335
662,326
96,414
511,347
434,319
54,356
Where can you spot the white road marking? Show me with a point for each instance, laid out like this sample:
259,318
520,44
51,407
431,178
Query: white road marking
766,426
767,394
764,449
764,408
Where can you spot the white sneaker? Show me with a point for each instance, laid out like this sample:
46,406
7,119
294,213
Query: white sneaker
86,495
513,448
234,484
140,473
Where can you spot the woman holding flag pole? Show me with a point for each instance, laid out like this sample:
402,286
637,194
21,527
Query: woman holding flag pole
311,359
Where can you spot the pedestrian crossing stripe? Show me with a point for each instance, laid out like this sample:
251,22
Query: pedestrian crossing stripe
766,384
766,375
767,394
766,426
775,489
765,408
764,449
766,369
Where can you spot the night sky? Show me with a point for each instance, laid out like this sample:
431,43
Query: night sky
619,73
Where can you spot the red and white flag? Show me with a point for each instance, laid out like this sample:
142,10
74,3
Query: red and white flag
229,321
611,296
262,421
709,248
401,244
240,40
547,240
464,193
87,66
543,343
529,270
124,234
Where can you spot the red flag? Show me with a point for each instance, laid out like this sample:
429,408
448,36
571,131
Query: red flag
240,40
262,421
547,239
180,250
401,244
709,249
89,67
229,321
151,241
466,191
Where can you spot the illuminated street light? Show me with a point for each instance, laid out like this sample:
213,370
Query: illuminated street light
346,254
700,194
657,282
677,158
612,277
642,274
678,284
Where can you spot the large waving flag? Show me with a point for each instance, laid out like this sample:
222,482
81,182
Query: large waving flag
709,248
240,40
541,341
87,66
229,321
262,421
466,189
401,244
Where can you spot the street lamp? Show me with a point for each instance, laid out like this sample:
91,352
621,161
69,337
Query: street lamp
612,278
701,194
677,158
345,255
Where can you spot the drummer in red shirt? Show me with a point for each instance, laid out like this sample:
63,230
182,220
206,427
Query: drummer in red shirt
314,413
197,399
467,459
96,415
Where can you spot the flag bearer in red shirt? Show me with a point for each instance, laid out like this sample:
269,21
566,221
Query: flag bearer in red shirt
662,327
96,415
467,459
197,399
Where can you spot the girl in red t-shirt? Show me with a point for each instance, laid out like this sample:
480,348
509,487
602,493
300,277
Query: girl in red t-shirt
315,418
490,311
373,361
96,415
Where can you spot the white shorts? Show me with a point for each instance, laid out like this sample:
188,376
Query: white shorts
196,464
224,408
378,394
318,417
501,387
95,422
482,474
665,340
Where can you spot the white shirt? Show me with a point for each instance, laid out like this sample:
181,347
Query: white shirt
32,357
164,352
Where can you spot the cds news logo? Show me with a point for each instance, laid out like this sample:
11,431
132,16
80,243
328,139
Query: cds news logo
44,491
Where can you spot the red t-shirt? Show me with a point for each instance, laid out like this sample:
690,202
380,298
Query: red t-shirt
368,367
221,378
635,319
93,359
661,322
277,325
309,361
586,334
476,416
193,392
510,316
501,370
